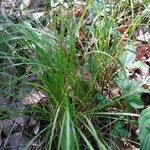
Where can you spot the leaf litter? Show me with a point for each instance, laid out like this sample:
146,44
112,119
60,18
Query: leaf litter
142,73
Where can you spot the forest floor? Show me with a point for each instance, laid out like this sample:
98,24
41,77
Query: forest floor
74,75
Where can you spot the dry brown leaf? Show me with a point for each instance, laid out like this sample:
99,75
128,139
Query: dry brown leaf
123,28
33,98
143,52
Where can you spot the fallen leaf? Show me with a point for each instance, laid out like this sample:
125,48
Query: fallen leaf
143,52
38,15
33,98
16,141
123,28
143,35
25,4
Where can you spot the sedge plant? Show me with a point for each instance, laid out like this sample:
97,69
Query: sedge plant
51,55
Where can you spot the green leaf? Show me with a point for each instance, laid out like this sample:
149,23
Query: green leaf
128,57
135,101
67,139
119,124
144,129
102,100
122,81
130,90
99,7
119,130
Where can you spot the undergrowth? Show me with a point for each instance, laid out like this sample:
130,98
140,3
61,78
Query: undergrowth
73,60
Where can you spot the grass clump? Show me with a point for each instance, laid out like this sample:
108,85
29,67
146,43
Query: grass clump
72,60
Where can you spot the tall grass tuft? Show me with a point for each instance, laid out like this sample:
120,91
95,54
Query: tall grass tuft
69,74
